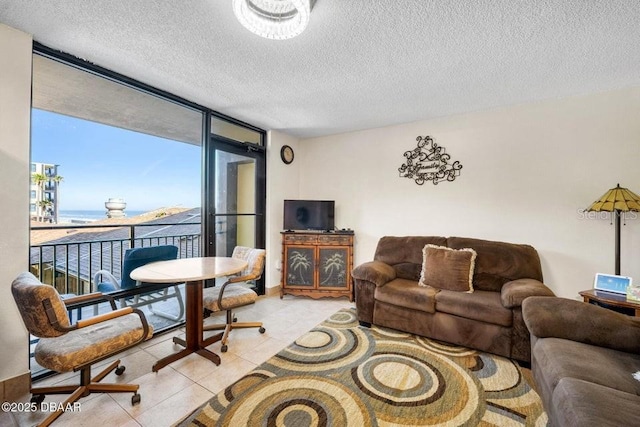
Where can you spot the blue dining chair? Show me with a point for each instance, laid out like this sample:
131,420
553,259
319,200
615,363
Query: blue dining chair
105,282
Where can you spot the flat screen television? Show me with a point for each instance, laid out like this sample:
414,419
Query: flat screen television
309,215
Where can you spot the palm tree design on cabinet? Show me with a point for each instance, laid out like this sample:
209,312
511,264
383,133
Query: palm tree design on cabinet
333,269
300,267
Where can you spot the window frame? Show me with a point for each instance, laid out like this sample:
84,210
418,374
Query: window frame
207,144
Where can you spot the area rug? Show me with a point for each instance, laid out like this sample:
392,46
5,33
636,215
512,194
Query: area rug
342,374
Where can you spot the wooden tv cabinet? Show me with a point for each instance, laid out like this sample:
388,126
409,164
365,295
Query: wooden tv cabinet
317,264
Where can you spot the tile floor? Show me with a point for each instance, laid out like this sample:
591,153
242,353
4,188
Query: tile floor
176,390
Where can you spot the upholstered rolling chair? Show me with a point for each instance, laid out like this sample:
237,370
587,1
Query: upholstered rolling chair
105,282
235,293
65,347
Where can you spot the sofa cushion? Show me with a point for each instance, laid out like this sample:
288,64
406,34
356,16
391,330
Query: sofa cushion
581,403
558,358
480,305
551,317
516,291
408,270
445,268
84,345
498,262
407,293
404,253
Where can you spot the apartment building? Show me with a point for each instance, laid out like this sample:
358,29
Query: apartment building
43,192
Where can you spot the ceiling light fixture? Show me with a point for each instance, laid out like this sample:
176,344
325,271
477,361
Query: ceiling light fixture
273,19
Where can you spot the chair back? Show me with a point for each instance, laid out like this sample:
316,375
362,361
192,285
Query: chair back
29,294
137,257
255,259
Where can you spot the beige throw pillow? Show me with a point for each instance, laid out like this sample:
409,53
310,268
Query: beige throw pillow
446,268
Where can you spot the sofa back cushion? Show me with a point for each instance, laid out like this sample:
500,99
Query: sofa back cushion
405,253
498,263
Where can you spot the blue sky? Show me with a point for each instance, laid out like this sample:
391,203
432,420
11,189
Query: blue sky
99,162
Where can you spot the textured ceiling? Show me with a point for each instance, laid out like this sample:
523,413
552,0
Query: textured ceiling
360,63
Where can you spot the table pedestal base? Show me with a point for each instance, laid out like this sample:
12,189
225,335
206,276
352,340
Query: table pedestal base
193,342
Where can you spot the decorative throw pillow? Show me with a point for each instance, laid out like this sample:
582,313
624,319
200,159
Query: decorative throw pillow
446,268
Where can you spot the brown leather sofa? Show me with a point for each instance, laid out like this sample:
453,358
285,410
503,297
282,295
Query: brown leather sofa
387,294
583,360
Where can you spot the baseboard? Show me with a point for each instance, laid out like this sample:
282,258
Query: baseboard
269,292
16,387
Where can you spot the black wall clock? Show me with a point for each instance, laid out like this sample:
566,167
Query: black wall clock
286,154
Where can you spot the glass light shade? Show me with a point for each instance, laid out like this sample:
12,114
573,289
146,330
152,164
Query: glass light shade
273,19
618,198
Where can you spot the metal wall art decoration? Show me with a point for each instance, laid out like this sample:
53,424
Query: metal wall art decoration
429,162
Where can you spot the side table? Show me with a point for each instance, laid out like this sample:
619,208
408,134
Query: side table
613,301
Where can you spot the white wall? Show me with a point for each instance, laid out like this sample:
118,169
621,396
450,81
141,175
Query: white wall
527,170
15,111
283,182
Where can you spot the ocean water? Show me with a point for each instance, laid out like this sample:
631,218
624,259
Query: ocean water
85,216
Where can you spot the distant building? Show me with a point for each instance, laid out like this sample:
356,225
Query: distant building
71,259
44,197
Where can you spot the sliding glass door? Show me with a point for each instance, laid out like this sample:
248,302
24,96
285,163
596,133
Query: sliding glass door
236,195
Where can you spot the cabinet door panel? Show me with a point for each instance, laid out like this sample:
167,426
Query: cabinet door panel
300,266
332,271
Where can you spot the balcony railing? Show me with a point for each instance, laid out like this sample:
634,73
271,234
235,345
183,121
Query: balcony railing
69,263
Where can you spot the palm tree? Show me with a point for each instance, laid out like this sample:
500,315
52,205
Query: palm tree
39,179
57,179
44,205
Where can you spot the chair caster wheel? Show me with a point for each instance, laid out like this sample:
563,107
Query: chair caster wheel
224,348
135,399
37,399
261,330
120,369
235,319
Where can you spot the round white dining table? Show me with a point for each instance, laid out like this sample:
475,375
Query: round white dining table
192,271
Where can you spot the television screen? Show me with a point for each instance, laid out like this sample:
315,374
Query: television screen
309,215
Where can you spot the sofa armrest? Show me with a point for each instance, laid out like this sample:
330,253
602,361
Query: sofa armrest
376,272
549,317
514,292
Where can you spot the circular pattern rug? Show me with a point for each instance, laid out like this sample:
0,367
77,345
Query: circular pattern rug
342,374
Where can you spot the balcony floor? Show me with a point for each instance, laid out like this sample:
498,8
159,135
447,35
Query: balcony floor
179,388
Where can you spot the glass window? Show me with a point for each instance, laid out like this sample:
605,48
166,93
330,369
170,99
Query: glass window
235,194
235,132
111,155
126,162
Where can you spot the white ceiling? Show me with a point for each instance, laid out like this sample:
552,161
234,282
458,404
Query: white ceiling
360,63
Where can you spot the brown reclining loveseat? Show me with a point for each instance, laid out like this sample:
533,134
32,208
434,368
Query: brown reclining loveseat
489,318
